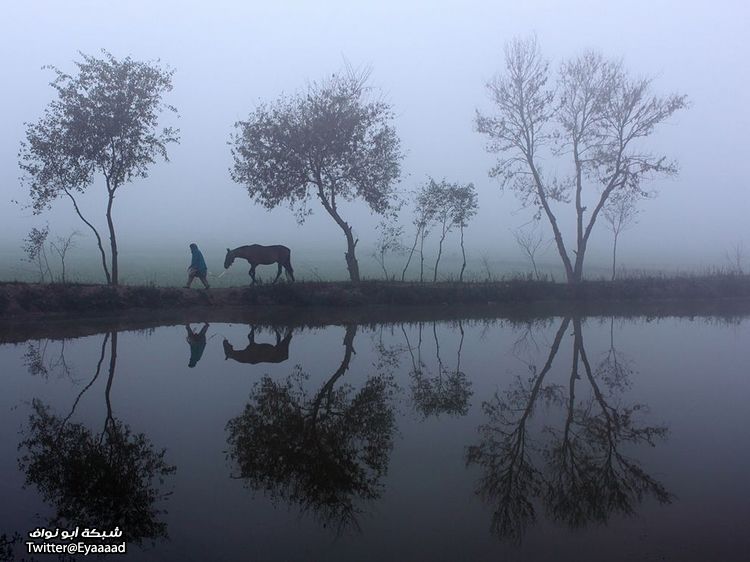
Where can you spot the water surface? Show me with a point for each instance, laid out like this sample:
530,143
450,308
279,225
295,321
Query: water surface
555,439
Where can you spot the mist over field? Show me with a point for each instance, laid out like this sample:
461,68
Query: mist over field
430,61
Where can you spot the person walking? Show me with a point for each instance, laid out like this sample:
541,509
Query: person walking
197,267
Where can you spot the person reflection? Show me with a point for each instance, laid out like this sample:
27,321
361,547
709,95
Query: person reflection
576,468
256,353
197,342
324,451
97,479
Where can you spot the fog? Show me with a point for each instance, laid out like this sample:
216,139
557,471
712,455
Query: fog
431,61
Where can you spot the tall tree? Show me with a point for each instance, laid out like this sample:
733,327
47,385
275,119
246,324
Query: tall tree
447,205
465,206
331,141
439,204
422,222
104,122
597,117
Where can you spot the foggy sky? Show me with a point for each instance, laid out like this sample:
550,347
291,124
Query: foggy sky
431,60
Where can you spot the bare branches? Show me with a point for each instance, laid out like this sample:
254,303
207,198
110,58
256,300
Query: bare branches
530,240
388,242
735,257
597,117
620,213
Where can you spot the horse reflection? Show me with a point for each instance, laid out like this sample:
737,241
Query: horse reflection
256,353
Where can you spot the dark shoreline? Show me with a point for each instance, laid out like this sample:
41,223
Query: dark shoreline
30,311
25,299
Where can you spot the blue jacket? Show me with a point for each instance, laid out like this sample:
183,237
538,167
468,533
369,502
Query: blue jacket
198,262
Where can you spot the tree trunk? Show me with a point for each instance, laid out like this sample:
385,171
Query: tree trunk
46,265
559,242
414,247
109,423
382,264
463,265
533,264
330,206
351,259
437,260
327,389
614,258
96,234
112,239
421,258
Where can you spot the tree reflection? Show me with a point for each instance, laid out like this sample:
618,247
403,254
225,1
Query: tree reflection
448,391
325,451
615,368
40,361
578,471
96,479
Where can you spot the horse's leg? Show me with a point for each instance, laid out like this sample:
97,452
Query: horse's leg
251,335
288,269
278,272
252,272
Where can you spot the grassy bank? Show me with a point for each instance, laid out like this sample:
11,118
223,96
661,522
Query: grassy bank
24,299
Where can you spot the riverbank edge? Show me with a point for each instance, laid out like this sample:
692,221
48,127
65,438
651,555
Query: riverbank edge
35,310
25,299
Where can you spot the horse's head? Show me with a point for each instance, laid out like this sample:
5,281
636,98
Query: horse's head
229,260
228,349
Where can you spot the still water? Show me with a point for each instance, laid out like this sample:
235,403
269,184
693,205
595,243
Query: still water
556,439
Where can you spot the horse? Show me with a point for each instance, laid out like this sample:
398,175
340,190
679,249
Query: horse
256,353
262,255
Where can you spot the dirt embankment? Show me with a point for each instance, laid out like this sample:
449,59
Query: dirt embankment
25,299
34,310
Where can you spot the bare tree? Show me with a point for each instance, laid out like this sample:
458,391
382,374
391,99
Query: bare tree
388,242
620,213
597,115
105,121
735,257
61,245
330,142
530,240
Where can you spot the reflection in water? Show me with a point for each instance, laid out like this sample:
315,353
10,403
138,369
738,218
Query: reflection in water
95,479
324,451
585,476
197,343
448,391
40,361
556,444
616,368
256,353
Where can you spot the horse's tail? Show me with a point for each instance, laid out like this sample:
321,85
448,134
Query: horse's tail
288,264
